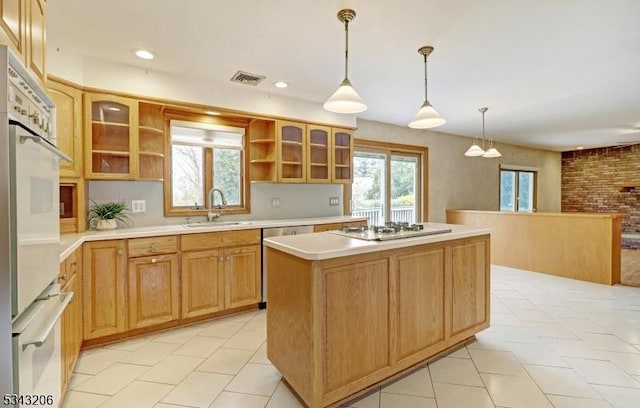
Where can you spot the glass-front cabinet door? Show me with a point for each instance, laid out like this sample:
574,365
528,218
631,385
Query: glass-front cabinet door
318,154
291,160
109,137
341,157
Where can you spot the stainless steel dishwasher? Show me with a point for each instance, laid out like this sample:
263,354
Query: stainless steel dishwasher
277,232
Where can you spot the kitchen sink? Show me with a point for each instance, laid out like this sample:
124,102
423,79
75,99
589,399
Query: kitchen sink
215,224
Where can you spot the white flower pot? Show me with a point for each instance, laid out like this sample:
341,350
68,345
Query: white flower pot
106,225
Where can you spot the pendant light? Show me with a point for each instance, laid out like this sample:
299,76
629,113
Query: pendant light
345,99
475,150
491,152
427,117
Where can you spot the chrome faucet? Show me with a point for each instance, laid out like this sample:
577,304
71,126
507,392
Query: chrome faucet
212,216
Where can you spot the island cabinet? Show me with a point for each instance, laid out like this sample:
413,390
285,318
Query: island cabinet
338,326
70,280
104,288
154,281
220,271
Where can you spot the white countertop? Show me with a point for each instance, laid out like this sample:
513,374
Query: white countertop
70,242
325,245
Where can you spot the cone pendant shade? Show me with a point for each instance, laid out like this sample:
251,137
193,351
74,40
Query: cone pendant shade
426,118
474,151
345,100
492,153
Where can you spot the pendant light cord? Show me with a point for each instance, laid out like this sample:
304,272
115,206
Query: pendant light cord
426,99
346,49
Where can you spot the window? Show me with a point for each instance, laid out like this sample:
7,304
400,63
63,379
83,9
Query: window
388,182
517,190
203,156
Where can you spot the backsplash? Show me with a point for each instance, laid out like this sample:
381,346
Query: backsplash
295,201
592,182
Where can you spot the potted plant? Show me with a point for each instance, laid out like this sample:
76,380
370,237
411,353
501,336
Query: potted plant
104,216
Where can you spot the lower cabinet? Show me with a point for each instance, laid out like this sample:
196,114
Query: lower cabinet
104,286
242,276
154,290
202,282
138,283
71,320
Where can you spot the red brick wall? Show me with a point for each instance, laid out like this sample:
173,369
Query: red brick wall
590,182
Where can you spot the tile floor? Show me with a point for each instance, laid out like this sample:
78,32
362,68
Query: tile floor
553,342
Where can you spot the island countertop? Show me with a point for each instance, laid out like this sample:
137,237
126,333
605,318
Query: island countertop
325,245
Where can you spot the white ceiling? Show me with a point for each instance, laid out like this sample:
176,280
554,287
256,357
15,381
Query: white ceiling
555,74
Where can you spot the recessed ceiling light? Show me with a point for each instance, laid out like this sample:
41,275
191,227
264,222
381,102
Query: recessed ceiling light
280,84
579,147
144,54
212,113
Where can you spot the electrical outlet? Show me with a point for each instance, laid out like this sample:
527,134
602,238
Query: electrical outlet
138,206
333,201
275,202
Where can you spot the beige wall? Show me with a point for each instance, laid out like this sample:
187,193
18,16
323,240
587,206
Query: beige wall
460,182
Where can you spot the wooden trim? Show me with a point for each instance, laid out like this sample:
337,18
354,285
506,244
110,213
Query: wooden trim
195,108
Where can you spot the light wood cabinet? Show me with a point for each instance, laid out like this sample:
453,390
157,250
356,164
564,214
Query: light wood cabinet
104,283
12,22
68,102
318,154
151,129
202,282
263,152
342,155
36,38
220,270
110,134
242,276
291,139
410,304
469,285
70,279
23,29
154,295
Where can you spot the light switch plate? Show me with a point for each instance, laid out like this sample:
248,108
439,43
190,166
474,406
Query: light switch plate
275,202
138,206
333,201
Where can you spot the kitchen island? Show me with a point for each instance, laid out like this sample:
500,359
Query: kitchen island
346,314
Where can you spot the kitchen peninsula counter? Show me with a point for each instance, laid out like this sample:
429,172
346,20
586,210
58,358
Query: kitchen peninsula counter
345,315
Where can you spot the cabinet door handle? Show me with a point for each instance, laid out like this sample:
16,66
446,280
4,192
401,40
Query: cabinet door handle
120,251
227,258
153,247
221,259
154,260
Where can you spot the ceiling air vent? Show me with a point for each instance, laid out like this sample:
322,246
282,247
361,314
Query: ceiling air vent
247,78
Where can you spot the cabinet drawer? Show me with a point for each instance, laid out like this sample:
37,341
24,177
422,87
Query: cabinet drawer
152,246
211,240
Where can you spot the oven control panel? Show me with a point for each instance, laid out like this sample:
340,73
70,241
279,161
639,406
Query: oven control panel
27,106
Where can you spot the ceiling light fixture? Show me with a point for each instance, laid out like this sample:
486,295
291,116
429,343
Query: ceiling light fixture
144,54
475,150
280,84
491,152
345,99
427,117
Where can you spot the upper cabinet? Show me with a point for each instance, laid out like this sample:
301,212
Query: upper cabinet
12,21
124,138
36,38
295,152
110,134
318,154
291,137
68,102
24,31
342,170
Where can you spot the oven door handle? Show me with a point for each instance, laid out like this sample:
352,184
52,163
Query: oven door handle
47,145
41,338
